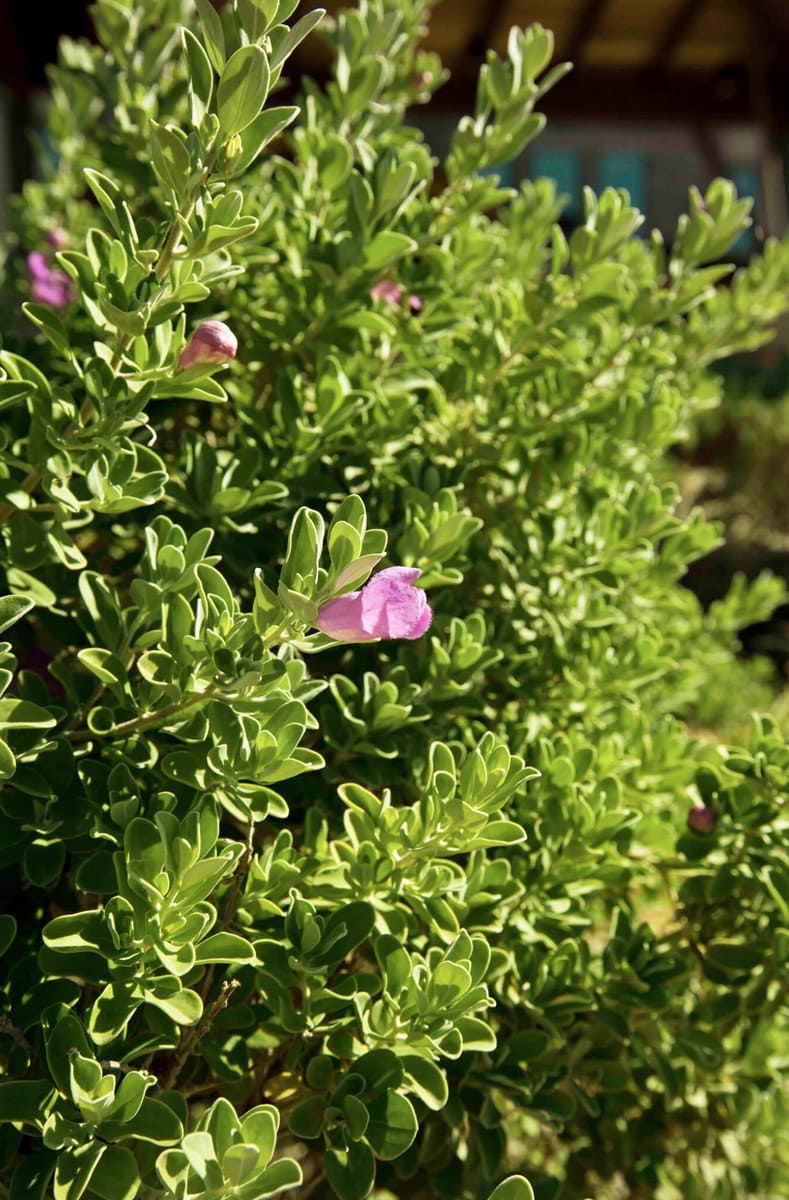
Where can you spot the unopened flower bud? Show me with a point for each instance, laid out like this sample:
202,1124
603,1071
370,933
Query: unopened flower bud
58,238
233,148
415,304
211,342
701,819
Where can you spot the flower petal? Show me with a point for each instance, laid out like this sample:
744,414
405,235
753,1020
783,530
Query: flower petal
390,605
423,621
341,618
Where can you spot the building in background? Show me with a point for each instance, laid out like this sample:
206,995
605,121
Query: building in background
664,94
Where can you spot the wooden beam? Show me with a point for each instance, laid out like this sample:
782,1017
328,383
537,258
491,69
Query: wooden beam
633,94
770,21
761,67
687,97
584,29
686,13
486,28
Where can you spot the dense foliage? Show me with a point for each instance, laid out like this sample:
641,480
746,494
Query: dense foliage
401,917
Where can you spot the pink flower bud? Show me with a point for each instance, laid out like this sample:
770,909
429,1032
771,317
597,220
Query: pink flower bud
415,304
211,342
58,238
46,285
386,607
387,290
701,819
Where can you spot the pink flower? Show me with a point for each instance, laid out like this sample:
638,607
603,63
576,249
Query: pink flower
211,342
386,607
387,290
415,304
701,819
46,285
58,238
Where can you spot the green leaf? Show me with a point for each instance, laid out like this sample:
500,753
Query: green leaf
357,1117
280,1175
224,948
25,1100
238,1163
476,1034
427,1080
394,961
514,1188
201,76
12,609
42,862
103,664
345,929
295,35
305,543
108,195
305,1119
75,1169
129,1096
393,1124
385,247
7,760
260,1126
170,158
380,1069
111,1011
182,1005
243,88
351,1172
257,135
31,1178
116,1176
21,714
7,932
145,854
66,1036
212,32
728,954
155,1122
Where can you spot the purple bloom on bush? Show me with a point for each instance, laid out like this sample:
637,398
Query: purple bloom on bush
389,606
701,819
387,290
211,342
47,286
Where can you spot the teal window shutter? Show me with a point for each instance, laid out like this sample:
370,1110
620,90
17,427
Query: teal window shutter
629,170
505,172
746,180
564,168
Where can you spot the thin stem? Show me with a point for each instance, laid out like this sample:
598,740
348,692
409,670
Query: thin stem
191,1038
136,723
84,709
239,876
8,1027
28,485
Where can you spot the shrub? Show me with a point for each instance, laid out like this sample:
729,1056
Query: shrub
284,911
